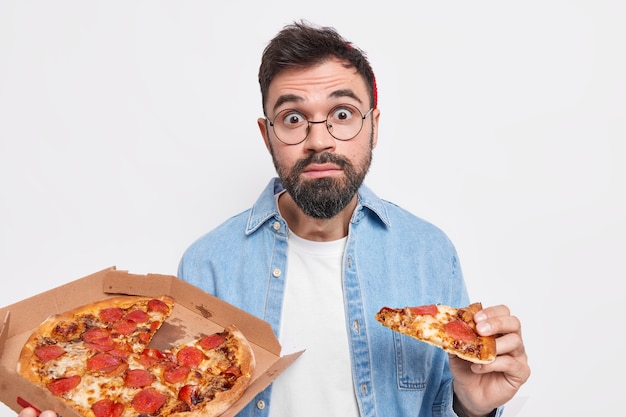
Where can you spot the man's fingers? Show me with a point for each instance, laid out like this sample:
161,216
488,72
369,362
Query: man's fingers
28,412
31,412
497,320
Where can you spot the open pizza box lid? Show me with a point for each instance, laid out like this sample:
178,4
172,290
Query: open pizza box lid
195,312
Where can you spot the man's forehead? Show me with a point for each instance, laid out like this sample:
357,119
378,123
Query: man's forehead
326,81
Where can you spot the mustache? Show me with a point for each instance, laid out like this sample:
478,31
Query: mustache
321,158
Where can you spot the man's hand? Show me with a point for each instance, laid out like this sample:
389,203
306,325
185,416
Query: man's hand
481,388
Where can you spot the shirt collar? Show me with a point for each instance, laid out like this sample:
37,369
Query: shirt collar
265,207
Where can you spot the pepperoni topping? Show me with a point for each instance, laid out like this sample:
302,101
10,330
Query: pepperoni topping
212,341
99,348
234,371
103,362
460,330
125,327
189,356
137,316
175,375
144,337
148,401
190,394
111,315
98,336
48,352
63,385
138,378
150,357
158,306
119,370
154,326
98,339
107,408
120,353
425,310
167,364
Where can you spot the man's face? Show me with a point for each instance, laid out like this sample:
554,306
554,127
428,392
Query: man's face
322,174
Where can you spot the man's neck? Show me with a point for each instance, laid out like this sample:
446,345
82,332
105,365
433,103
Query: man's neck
315,229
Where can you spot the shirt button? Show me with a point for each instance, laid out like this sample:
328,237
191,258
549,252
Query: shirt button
277,273
260,404
356,327
276,225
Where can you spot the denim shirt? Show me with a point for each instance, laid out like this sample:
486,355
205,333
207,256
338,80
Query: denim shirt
392,258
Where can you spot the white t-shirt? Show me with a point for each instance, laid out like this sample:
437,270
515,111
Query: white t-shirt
318,383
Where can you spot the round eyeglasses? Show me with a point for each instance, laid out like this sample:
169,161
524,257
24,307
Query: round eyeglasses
344,122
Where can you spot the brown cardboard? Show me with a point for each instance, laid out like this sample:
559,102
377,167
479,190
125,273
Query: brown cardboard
195,312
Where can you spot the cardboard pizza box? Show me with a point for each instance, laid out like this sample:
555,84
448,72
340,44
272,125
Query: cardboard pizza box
195,312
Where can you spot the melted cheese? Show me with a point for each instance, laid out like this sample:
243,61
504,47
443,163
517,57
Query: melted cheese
70,363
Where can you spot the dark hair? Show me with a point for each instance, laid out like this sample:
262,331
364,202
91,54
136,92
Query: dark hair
303,45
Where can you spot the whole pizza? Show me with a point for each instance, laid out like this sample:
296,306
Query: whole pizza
96,358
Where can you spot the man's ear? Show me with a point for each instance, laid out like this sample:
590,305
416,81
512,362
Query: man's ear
264,127
375,115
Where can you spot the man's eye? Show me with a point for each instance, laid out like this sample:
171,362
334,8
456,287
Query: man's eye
293,119
342,114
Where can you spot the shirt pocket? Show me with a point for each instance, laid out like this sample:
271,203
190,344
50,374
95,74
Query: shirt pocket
413,362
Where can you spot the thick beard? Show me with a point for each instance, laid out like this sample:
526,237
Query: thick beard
323,198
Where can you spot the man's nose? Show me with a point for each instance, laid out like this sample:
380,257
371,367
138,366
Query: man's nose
319,137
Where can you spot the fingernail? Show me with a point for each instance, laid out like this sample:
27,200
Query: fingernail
476,367
480,316
483,327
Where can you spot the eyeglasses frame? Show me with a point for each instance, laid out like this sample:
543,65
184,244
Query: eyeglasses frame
314,122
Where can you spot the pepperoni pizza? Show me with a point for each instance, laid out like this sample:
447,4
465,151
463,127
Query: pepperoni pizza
451,329
96,359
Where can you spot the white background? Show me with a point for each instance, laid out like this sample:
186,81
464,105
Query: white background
128,129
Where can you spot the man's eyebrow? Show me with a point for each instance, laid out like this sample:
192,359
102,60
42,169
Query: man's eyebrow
293,98
346,92
286,98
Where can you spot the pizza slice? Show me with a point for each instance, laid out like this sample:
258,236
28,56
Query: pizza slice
449,328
